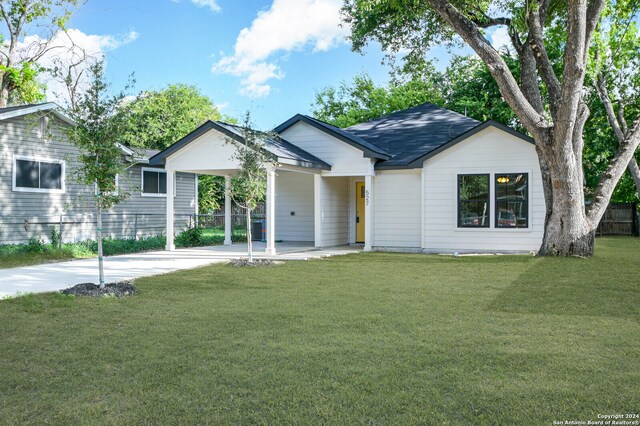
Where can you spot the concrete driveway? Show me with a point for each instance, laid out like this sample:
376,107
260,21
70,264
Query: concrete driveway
58,276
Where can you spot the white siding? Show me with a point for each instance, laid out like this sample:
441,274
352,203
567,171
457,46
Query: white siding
294,194
344,159
335,211
397,209
210,152
490,151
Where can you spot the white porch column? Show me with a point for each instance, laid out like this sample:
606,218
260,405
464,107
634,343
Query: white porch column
423,202
368,211
227,211
271,210
170,191
317,209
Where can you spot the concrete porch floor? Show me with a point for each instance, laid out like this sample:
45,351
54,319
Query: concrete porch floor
58,276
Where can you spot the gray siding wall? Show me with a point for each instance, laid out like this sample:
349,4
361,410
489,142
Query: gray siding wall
20,136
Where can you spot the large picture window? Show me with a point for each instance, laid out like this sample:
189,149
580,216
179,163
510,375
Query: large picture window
512,200
473,201
38,175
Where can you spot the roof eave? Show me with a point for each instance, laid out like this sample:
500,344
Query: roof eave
48,106
305,164
489,123
366,151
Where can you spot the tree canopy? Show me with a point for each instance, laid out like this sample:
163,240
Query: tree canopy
19,68
156,119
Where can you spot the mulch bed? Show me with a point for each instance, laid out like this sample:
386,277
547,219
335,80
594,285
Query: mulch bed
256,263
121,289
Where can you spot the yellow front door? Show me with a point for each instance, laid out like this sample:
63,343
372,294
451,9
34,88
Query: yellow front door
360,203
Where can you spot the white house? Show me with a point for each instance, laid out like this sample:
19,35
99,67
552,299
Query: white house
424,179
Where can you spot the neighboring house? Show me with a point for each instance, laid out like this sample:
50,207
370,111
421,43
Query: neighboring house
424,180
37,165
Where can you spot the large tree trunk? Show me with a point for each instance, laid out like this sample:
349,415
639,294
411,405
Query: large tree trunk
568,231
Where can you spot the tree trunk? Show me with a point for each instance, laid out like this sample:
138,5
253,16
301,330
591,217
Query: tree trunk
249,237
100,259
635,174
568,232
4,93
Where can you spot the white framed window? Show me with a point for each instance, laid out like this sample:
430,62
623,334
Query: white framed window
492,200
117,186
512,200
36,174
154,182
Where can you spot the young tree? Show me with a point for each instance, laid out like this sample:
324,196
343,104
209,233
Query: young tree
248,186
96,135
554,112
18,59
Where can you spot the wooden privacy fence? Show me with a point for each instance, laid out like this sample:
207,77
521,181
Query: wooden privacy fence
620,219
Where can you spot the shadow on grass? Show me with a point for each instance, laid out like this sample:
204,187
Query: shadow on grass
606,286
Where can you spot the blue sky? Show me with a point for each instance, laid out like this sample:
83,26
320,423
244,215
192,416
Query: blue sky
266,56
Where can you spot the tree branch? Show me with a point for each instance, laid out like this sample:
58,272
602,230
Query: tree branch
603,95
594,9
575,59
5,16
488,21
530,118
535,20
618,124
612,174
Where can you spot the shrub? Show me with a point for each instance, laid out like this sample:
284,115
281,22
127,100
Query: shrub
55,238
190,238
35,245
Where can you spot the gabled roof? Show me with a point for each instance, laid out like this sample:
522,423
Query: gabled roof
20,110
417,162
369,149
283,151
412,132
404,139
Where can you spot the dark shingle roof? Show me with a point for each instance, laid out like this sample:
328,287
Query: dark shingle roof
412,133
369,149
281,148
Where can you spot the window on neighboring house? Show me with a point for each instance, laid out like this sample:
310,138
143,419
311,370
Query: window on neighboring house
512,200
154,183
38,175
473,201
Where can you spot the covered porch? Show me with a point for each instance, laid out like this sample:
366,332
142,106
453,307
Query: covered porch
305,202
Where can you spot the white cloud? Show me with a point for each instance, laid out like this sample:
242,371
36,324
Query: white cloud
211,4
67,48
288,25
500,39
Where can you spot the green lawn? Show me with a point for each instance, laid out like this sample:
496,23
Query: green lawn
37,252
361,339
